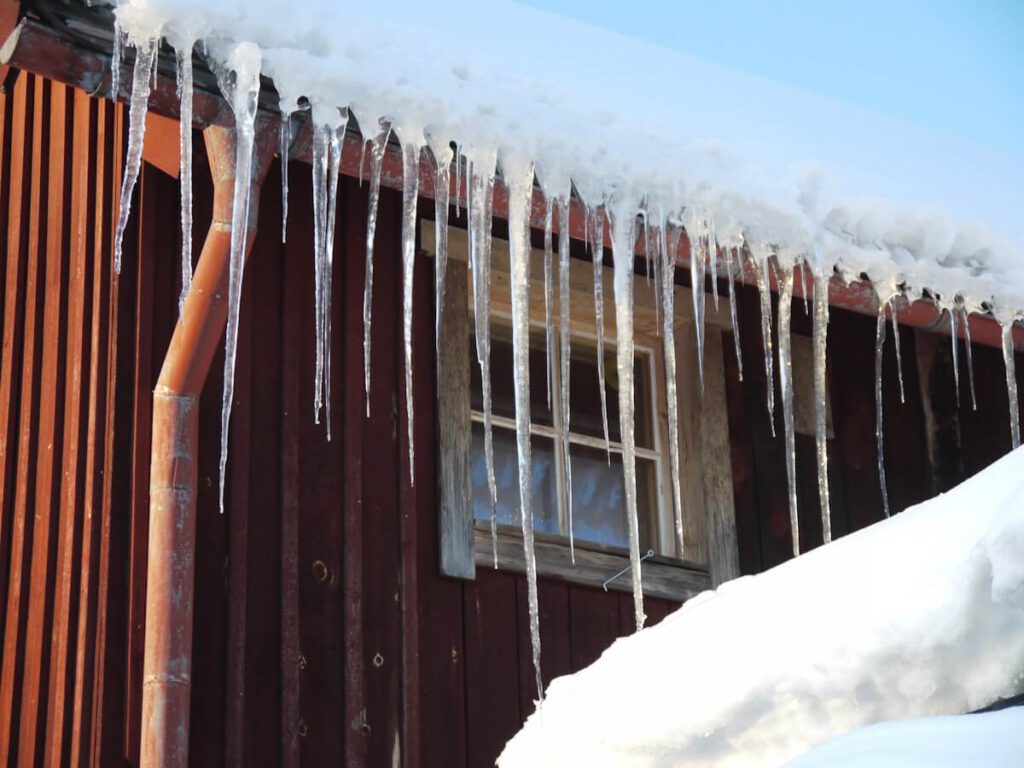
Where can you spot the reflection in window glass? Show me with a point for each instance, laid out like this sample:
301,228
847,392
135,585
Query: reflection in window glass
599,501
503,382
506,477
585,410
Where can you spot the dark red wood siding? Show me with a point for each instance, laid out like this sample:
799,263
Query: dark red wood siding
324,633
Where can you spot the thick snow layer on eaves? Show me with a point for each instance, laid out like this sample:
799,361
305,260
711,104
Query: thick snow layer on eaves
992,740
779,167
919,615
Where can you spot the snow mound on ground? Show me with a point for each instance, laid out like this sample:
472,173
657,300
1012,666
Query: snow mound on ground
919,615
992,740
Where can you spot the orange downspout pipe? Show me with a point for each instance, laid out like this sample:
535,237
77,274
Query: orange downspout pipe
167,664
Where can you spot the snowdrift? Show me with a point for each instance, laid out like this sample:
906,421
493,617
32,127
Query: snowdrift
920,615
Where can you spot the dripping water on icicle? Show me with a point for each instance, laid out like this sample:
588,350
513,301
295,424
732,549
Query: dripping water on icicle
410,192
668,266
442,152
564,360
896,340
379,146
970,354
239,81
479,208
879,349
733,255
519,179
145,62
820,333
1011,381
786,384
183,58
623,224
598,263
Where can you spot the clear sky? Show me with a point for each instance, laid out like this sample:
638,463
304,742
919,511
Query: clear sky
955,67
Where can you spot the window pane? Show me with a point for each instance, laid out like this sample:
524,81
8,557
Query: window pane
506,477
599,501
585,408
502,381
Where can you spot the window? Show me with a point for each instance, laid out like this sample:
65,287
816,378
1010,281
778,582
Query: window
598,503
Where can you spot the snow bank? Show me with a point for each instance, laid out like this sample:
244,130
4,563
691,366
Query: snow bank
771,165
919,615
992,740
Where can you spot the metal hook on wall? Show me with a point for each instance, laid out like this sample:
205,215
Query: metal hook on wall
610,579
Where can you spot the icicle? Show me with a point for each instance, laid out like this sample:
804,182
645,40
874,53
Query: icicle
623,223
549,331
879,348
380,144
184,71
115,60
668,265
1011,382
410,191
765,293
458,179
242,92
566,351
286,143
731,255
697,291
651,253
821,397
320,150
713,261
954,344
598,260
970,355
336,135
145,58
804,269
480,206
519,178
786,384
442,152
896,339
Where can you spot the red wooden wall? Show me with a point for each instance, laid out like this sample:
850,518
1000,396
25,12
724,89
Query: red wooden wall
323,631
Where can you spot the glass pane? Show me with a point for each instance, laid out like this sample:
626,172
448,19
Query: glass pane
599,501
502,382
506,477
585,408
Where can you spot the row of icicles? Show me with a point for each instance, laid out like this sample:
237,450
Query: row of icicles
659,232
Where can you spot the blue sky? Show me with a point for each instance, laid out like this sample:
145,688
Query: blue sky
955,67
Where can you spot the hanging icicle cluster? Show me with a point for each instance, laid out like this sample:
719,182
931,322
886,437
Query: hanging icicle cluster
476,169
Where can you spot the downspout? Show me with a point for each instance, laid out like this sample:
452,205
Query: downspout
167,664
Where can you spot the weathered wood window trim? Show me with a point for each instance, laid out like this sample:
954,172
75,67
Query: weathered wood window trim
705,465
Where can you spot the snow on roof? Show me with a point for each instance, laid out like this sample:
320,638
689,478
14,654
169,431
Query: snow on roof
919,615
992,740
773,166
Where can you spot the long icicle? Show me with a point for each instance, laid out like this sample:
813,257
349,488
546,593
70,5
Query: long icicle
896,340
733,255
879,349
970,354
242,92
145,60
1011,382
321,148
955,346
765,293
821,398
183,57
565,359
480,205
286,144
786,385
697,242
713,261
410,192
668,294
598,245
549,331
623,224
380,144
115,60
442,152
336,137
519,178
